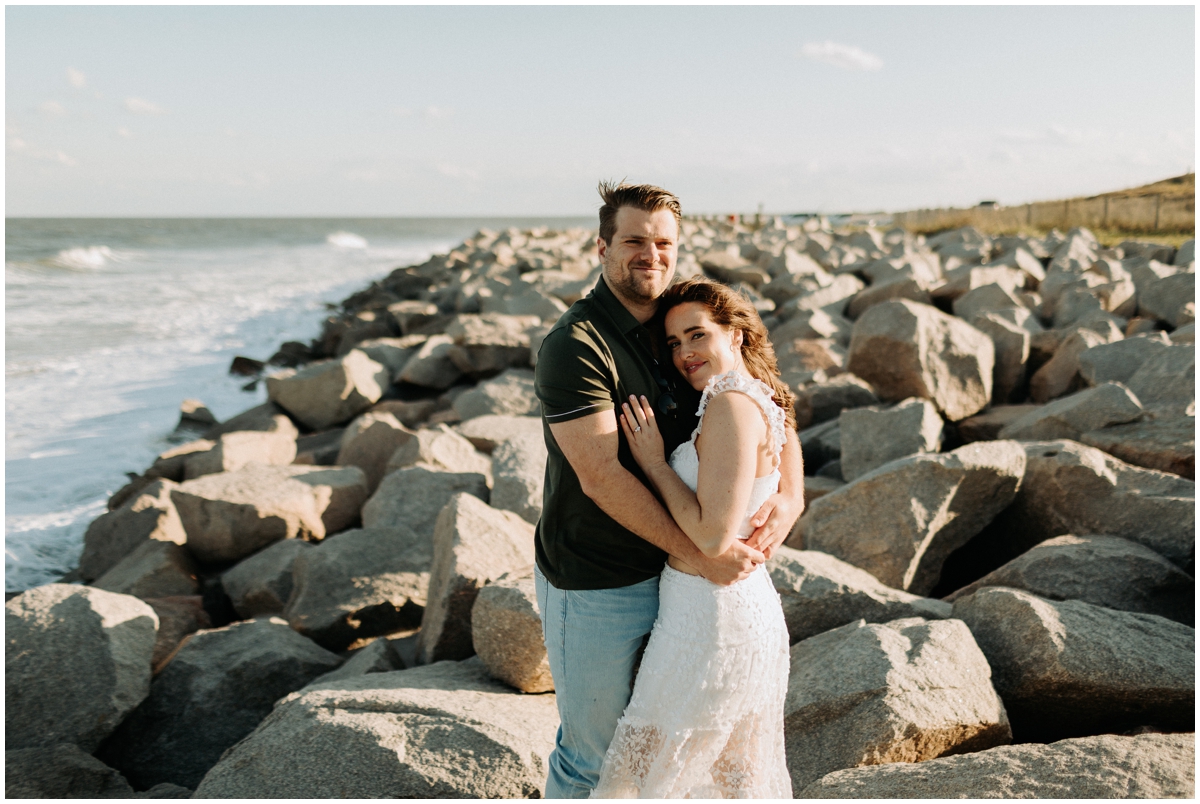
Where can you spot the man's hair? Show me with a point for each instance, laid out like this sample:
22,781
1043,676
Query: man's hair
639,196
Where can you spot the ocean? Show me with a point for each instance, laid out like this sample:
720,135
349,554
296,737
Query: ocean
111,323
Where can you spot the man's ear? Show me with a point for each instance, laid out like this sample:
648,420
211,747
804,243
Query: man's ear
601,246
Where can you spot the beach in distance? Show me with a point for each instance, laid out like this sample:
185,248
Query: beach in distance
110,323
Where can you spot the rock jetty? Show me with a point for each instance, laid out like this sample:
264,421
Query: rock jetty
330,594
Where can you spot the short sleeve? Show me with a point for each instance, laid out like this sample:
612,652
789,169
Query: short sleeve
574,375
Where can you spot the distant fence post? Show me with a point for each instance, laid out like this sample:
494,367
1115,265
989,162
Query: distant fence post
1157,209
1066,221
1029,214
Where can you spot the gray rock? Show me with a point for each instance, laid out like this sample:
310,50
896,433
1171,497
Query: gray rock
1186,255
76,662
519,468
149,515
986,299
60,771
1167,444
156,569
439,447
442,731
506,630
832,299
377,656
1166,383
510,394
234,450
1068,668
219,686
391,353
431,366
369,442
965,278
319,449
488,432
816,487
821,444
903,287
1011,343
267,417
179,616
1103,570
1106,766
1171,299
526,301
329,392
1073,415
473,544
825,400
234,514
907,691
360,584
172,464
1120,360
412,314
987,426
1072,488
415,495
907,349
165,790
820,592
873,436
1184,334
485,345
1060,374
902,520
262,583
811,354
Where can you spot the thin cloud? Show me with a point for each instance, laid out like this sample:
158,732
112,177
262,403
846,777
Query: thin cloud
438,112
52,109
140,106
848,57
20,146
76,78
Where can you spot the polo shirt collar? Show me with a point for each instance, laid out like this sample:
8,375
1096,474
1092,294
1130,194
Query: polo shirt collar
611,305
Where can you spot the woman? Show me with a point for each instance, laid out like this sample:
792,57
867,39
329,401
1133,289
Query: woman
706,716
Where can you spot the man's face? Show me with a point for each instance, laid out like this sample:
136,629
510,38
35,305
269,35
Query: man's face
640,261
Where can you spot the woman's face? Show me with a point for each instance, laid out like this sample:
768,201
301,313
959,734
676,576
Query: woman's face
700,347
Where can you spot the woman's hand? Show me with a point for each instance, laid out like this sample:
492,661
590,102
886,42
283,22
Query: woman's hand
641,431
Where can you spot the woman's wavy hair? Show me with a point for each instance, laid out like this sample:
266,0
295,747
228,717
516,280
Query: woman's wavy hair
732,310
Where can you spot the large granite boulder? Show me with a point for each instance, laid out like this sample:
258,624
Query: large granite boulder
1167,444
1103,570
1106,766
510,394
904,691
1060,374
506,630
262,583
1071,416
377,656
1120,360
232,451
431,366
908,349
330,392
488,432
819,592
439,447
519,474
215,690
156,569
443,731
1072,488
369,442
902,287
824,400
76,663
902,520
473,544
1168,299
1011,342
485,345
231,515
266,418
179,616
1166,383
415,495
873,436
60,771
1069,669
360,584
147,515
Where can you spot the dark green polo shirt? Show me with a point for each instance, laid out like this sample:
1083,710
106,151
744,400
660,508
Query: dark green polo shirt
596,355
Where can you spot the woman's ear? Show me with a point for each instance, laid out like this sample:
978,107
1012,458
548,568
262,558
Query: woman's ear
735,343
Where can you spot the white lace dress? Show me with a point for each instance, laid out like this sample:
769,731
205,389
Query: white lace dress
706,716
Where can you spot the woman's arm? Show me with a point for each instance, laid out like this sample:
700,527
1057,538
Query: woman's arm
733,430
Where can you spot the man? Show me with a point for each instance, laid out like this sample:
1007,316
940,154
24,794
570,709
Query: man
603,536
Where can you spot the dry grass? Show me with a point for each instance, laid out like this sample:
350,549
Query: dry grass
1179,187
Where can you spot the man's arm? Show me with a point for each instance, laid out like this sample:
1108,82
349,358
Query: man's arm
590,444
779,513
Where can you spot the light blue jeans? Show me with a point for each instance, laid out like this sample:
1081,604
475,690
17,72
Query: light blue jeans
592,639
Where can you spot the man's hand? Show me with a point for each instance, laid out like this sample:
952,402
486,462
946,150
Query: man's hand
773,522
734,565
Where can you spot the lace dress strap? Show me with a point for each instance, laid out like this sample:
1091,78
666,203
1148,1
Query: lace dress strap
757,390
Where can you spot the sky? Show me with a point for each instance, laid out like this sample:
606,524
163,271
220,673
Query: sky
521,110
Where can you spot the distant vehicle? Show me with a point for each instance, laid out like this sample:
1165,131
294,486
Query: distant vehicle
990,204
